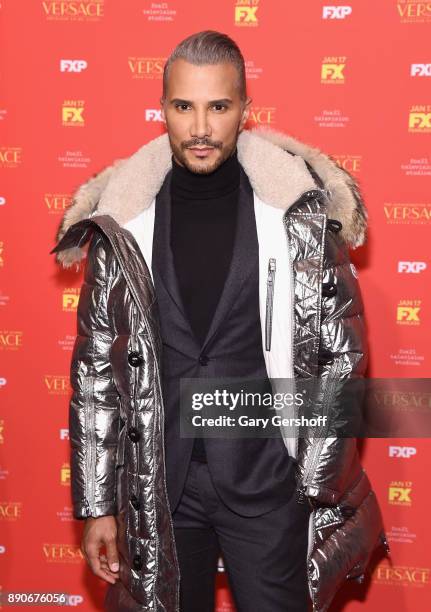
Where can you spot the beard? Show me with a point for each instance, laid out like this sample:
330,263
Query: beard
204,166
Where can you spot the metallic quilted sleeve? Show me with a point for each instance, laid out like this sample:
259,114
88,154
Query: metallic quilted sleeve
94,406
330,464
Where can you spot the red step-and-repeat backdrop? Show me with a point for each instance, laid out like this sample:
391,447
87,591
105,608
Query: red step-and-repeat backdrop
80,85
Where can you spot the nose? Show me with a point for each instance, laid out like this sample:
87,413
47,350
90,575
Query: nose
200,127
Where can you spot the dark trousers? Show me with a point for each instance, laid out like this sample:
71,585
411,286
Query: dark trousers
264,556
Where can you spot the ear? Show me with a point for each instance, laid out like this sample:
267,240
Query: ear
245,114
162,110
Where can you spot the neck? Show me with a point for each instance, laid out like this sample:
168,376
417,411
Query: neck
189,185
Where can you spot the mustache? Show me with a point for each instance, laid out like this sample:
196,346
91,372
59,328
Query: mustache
201,142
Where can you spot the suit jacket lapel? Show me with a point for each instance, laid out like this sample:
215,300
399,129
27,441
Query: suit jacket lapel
162,257
245,256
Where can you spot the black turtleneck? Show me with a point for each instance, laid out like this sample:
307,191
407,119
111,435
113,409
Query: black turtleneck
203,223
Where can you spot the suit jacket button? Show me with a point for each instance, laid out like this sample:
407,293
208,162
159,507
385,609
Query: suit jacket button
137,562
203,360
134,434
135,359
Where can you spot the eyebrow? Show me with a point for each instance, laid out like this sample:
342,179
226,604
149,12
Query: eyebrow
220,101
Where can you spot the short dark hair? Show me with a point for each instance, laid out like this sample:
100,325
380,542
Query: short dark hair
208,47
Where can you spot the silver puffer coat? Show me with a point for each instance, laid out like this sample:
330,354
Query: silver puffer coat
116,416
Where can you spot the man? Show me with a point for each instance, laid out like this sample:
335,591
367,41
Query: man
187,237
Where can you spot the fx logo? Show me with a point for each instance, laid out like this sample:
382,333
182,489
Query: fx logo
336,12
408,313
72,65
2,200
405,452
246,14
421,70
421,121
153,114
70,301
2,382
64,434
333,72
413,267
70,114
400,494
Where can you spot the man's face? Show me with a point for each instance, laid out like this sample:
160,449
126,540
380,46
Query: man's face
204,114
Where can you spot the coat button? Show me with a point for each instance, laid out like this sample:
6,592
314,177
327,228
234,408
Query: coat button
325,356
329,289
135,359
334,225
135,502
137,562
203,360
134,434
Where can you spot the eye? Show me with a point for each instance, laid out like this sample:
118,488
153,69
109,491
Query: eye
179,105
220,105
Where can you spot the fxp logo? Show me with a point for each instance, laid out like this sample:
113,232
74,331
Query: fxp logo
405,452
68,65
336,12
420,70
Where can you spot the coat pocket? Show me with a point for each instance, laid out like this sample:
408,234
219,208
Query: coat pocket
269,302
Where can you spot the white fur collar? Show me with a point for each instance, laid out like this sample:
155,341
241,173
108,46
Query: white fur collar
129,185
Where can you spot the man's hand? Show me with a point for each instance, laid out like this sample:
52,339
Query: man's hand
99,532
